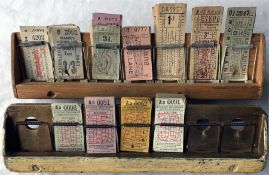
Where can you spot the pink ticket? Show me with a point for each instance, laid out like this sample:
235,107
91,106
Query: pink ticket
106,19
137,63
100,114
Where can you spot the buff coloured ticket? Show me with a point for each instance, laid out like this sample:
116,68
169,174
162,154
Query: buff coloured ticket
135,123
169,24
204,60
67,126
137,63
238,32
169,109
100,113
36,53
67,52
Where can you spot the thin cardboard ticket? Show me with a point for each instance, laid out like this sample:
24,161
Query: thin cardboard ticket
106,58
106,19
105,39
204,59
137,62
68,128
100,113
238,32
170,23
36,53
169,109
67,52
135,123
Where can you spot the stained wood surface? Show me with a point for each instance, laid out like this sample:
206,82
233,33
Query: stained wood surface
41,90
131,165
20,161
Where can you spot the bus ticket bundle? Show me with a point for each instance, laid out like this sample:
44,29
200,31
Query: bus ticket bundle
238,32
205,36
105,39
67,52
135,124
68,127
36,53
101,131
169,24
137,62
169,114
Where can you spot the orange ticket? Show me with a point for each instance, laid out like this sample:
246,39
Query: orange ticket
135,123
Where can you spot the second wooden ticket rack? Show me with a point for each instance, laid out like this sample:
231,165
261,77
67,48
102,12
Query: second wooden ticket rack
246,153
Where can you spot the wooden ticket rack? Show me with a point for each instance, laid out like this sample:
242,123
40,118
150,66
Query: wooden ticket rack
78,89
247,125
231,146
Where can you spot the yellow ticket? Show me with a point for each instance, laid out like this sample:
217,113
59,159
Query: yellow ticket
135,123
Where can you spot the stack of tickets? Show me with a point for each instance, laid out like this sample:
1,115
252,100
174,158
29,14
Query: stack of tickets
68,127
65,41
135,124
105,39
169,122
101,131
36,53
137,61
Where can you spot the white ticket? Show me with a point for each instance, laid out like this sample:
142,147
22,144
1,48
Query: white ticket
36,53
238,32
67,52
169,110
67,137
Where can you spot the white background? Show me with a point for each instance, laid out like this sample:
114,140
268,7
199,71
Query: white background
41,12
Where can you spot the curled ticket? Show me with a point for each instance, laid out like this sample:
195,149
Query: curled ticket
238,31
137,63
67,137
36,53
169,109
67,52
169,24
135,123
106,32
100,111
204,60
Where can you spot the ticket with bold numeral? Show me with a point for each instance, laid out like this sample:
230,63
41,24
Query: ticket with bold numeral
67,52
135,123
238,32
67,126
169,111
36,53
205,34
137,62
169,24
101,131
106,52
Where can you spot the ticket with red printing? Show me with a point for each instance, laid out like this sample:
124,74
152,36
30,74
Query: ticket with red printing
169,109
137,63
67,137
100,111
36,53
204,60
